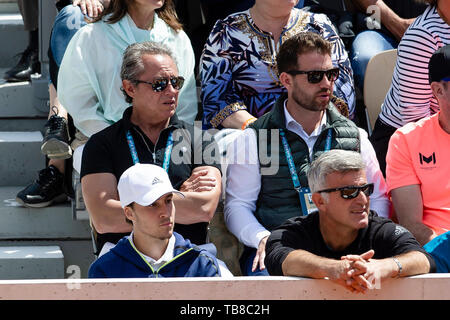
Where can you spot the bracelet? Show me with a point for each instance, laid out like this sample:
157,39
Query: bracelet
399,265
246,123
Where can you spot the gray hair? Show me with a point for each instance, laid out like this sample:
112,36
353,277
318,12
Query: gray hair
332,161
132,65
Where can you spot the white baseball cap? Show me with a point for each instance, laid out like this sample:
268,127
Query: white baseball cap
144,184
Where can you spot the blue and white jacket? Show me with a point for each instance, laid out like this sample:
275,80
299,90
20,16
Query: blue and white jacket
124,261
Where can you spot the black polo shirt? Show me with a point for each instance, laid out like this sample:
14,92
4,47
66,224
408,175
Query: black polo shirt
108,152
382,235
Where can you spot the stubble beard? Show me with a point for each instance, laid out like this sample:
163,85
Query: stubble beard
310,103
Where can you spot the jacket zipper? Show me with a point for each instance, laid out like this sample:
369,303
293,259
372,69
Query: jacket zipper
174,258
165,264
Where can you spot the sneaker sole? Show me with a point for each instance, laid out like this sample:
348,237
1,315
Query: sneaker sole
58,199
56,149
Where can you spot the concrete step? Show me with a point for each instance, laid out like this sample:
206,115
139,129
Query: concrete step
21,157
22,99
23,124
78,254
53,222
13,37
31,262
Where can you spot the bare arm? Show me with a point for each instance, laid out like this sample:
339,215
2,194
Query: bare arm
92,8
368,273
408,207
102,202
389,18
236,119
302,263
202,193
372,272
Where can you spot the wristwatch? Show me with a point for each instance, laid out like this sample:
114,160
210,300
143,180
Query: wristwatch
399,265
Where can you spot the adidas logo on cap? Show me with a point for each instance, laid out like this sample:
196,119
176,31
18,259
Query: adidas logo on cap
156,180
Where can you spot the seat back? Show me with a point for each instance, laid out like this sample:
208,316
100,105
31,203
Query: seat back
377,81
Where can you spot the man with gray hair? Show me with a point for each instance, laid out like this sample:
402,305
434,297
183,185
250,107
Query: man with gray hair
149,132
344,241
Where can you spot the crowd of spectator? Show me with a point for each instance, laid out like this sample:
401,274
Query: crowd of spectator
276,85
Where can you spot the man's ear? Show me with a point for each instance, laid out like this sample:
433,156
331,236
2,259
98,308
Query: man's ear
129,214
286,80
437,89
129,87
319,201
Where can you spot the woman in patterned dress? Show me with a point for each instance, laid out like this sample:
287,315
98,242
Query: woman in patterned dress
238,67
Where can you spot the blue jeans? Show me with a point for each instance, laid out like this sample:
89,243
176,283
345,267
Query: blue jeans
246,262
68,21
367,44
300,4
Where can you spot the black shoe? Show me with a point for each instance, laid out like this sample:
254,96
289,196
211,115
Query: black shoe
48,188
28,64
56,139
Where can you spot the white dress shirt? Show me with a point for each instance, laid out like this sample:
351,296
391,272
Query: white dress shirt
243,181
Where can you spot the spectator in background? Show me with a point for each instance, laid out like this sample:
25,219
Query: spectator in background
418,161
89,78
150,132
344,241
52,184
153,249
29,58
396,16
410,97
238,67
303,124
199,16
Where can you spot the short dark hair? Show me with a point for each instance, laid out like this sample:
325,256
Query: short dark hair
303,42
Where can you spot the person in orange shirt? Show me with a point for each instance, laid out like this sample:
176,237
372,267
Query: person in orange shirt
418,162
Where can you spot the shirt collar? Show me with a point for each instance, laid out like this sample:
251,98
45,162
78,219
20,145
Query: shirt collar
174,121
167,255
292,124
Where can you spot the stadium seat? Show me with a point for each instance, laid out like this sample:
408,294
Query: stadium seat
377,81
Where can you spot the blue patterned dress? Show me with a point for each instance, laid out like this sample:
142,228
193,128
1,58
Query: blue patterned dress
239,71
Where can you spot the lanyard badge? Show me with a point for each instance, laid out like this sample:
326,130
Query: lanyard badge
304,193
167,152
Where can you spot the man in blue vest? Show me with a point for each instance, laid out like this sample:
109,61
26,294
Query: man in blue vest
261,194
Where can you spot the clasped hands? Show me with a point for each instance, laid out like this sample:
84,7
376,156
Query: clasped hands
358,273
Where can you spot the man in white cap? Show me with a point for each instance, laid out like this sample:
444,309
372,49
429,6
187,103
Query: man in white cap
153,249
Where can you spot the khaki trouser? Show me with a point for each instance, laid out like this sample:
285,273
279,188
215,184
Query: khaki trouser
77,146
229,249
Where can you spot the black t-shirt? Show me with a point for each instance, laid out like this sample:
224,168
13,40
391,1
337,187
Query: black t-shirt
382,235
108,152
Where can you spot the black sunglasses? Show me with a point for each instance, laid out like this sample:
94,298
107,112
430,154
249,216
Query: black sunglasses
315,76
160,85
351,192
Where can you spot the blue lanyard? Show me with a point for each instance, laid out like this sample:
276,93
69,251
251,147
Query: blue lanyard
167,153
290,160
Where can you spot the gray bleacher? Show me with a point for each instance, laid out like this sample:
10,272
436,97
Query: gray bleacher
34,243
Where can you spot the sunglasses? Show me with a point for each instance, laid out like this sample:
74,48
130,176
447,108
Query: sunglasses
315,76
351,192
160,85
